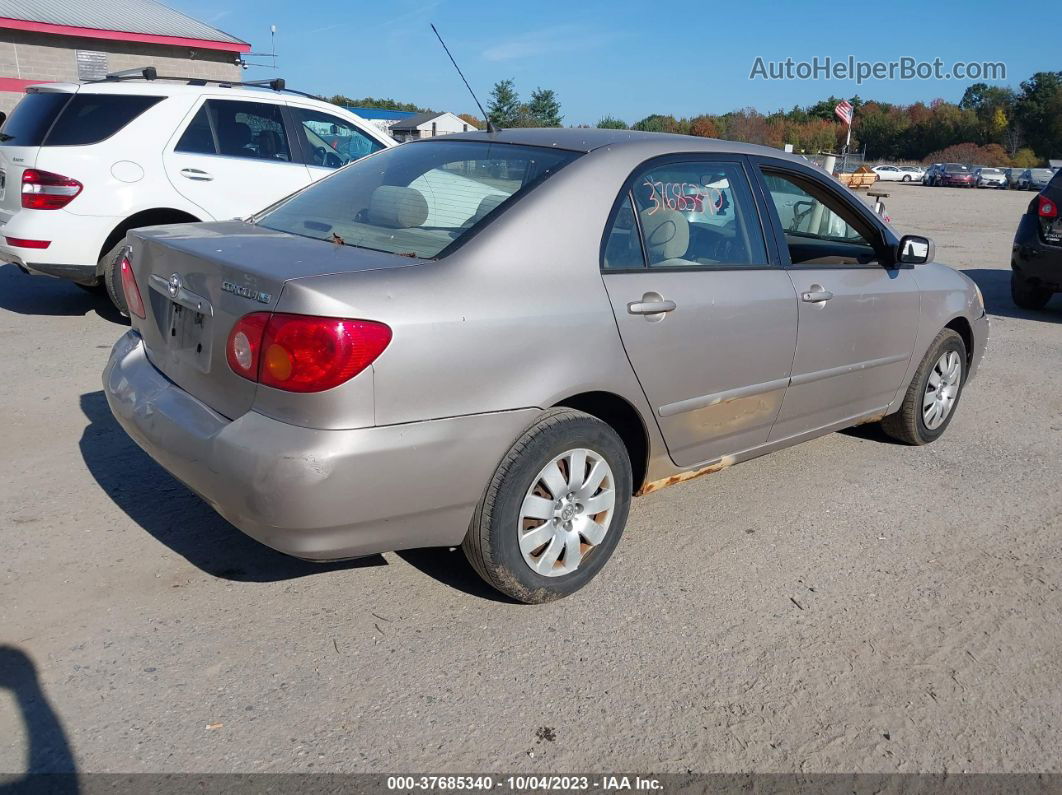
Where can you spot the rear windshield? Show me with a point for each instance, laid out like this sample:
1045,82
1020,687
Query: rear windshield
29,121
417,199
73,119
955,167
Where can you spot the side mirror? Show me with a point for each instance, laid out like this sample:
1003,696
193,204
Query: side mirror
915,250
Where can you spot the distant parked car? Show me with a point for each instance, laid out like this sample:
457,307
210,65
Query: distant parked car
912,173
985,177
371,364
1034,178
85,163
890,173
1036,258
954,175
1012,176
930,174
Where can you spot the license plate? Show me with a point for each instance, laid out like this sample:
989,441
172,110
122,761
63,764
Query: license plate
189,335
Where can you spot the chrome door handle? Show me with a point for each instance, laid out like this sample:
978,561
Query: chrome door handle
197,174
651,307
816,295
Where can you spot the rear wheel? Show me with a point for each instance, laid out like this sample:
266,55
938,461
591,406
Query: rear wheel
933,395
555,509
906,177
112,278
1027,295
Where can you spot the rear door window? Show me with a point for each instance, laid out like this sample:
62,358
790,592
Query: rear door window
91,118
232,128
698,214
29,121
330,141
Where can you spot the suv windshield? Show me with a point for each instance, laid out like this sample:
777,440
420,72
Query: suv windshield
418,199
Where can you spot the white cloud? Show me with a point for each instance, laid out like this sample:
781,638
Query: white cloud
561,38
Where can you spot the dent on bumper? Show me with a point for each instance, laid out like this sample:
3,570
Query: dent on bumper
319,494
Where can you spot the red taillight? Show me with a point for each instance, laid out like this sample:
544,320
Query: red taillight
303,353
21,242
1047,208
43,190
133,301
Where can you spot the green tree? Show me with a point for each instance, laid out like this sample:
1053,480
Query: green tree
545,108
372,102
1038,110
504,106
611,123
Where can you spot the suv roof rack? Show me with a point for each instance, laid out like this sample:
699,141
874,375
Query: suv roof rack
150,73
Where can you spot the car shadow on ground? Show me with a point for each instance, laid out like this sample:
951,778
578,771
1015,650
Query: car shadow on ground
450,567
41,295
47,747
166,509
995,287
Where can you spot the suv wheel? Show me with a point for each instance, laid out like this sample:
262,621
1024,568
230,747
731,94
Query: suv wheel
1027,295
112,277
933,395
554,510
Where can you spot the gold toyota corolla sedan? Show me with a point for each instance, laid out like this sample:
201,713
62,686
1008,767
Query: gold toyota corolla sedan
498,339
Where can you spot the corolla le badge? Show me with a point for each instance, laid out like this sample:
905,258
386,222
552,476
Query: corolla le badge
246,292
174,285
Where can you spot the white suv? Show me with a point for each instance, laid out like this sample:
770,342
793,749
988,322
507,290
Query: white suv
82,164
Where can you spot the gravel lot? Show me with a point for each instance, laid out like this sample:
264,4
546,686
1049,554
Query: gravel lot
845,605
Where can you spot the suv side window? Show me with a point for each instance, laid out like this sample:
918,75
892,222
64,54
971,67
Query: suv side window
253,130
330,141
91,118
818,229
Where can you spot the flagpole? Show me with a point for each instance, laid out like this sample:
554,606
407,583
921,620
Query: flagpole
847,143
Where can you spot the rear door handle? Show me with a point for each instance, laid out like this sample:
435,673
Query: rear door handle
651,305
197,174
816,295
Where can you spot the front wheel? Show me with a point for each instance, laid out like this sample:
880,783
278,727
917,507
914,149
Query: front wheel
906,177
933,395
1026,295
554,510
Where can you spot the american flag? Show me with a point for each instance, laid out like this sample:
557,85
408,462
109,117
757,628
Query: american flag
844,111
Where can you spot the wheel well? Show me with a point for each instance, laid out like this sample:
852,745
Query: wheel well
145,218
624,419
961,326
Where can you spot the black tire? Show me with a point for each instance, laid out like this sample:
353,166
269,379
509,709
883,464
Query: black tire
492,544
1026,295
907,425
112,277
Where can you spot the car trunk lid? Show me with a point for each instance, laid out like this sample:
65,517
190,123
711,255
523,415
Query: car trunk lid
197,280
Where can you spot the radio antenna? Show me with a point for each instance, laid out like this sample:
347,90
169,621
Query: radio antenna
490,126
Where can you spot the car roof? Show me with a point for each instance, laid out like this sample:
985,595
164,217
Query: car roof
587,139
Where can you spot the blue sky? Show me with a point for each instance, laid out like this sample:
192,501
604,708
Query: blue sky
623,58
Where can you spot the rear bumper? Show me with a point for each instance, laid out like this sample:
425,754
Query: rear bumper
74,242
316,494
